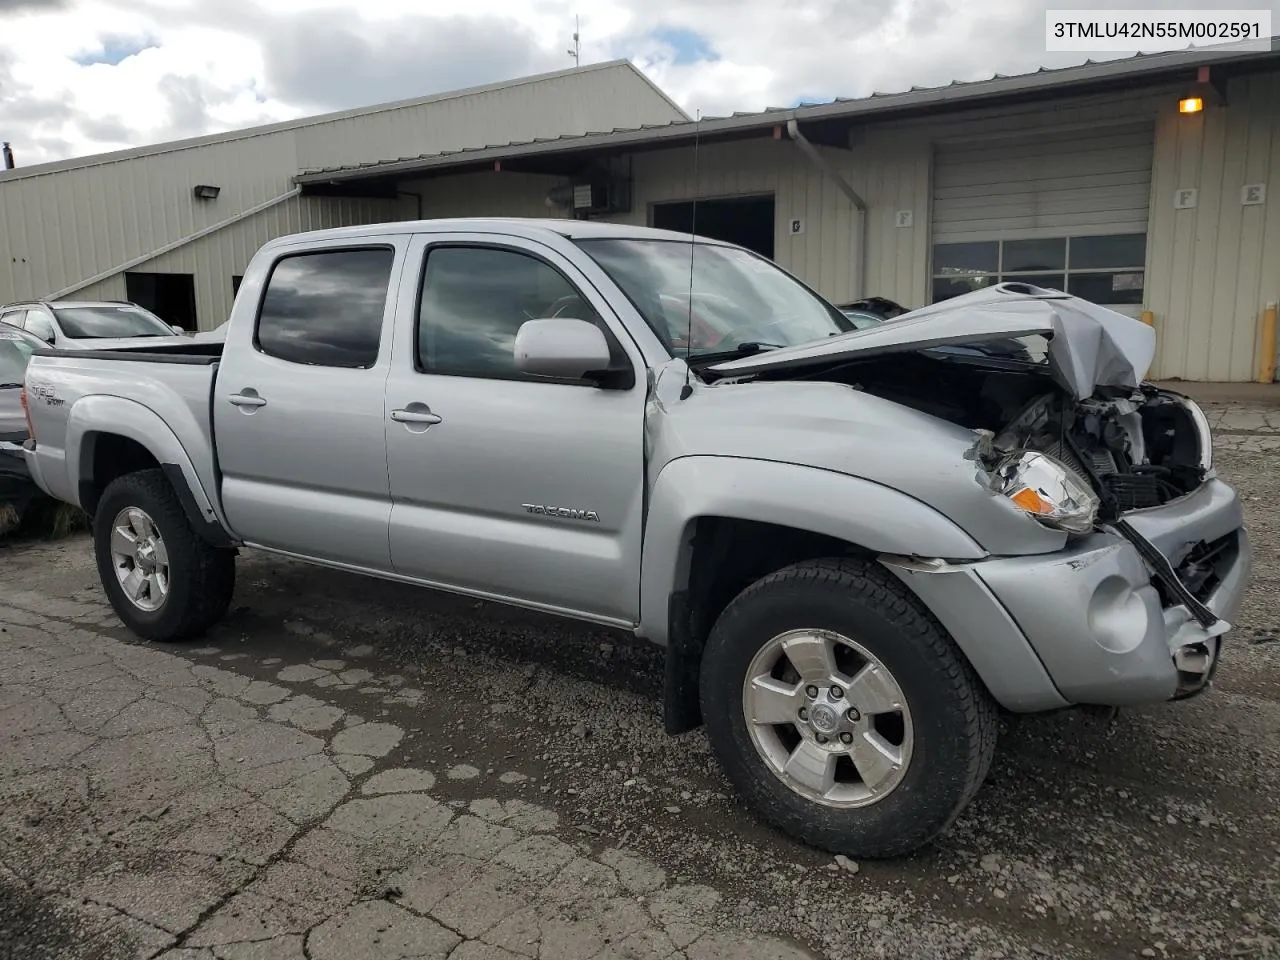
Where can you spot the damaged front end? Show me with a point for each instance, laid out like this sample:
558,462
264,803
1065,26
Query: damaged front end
1152,560
1134,451
1086,465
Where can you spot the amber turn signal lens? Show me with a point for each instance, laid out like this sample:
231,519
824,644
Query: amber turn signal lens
1032,502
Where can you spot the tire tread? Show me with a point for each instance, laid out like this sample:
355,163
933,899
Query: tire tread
906,614
209,571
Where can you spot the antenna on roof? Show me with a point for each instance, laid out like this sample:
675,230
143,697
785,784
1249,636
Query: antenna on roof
576,51
687,390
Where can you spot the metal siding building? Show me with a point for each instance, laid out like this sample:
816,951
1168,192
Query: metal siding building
78,227
1062,176
1083,162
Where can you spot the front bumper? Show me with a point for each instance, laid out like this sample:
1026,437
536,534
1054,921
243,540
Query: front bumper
1092,624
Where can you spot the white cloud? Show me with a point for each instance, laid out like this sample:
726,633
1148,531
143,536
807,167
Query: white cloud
202,66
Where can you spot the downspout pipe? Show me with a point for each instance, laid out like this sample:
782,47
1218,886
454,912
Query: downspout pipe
818,160
176,244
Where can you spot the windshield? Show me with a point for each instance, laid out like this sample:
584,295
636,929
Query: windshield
738,298
15,353
123,320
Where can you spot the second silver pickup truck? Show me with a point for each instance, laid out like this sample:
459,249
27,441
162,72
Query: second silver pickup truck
856,546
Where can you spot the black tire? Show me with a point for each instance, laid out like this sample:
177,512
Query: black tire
954,720
201,576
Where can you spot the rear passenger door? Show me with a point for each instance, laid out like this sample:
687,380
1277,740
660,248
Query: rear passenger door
298,404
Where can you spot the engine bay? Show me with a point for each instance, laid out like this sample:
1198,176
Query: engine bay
1136,451
1136,448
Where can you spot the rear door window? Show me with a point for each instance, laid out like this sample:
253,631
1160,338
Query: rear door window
326,308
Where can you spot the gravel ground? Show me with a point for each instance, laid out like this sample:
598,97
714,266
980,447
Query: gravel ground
122,833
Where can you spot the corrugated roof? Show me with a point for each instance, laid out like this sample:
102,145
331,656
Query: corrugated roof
247,132
997,85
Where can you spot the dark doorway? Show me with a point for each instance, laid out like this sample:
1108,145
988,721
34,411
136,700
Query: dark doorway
235,284
170,296
746,221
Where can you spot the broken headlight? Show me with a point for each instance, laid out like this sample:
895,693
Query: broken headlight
1047,489
1204,436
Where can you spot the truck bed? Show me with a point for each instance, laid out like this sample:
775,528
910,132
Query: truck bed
170,384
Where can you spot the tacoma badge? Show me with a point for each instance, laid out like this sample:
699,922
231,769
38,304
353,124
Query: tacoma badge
566,513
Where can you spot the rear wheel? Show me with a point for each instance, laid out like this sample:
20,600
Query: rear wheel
162,579
843,712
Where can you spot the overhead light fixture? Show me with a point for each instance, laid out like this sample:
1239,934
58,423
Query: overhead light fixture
1190,104
206,192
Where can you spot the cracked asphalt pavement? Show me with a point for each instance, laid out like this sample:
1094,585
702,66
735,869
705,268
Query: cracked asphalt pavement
348,768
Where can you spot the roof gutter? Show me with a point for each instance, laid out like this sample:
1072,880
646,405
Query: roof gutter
815,156
1149,68
176,244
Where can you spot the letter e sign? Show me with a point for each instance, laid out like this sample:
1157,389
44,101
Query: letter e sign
1252,193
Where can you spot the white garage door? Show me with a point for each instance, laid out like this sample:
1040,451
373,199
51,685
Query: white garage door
1066,210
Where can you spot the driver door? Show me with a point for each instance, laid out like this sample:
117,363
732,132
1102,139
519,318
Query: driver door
505,485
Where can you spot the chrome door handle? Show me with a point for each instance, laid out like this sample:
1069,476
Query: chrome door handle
414,416
246,400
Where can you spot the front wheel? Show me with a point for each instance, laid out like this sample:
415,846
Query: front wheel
843,712
162,579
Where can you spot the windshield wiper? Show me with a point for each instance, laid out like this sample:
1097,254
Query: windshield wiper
10,386
744,349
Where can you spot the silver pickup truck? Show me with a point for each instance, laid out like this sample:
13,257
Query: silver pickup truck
856,545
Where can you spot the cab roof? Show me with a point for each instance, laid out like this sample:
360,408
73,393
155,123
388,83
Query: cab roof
527,227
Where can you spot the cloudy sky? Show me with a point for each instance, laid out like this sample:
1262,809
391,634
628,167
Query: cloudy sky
84,76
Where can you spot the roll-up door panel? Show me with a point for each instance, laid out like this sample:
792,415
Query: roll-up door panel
1080,197
1072,182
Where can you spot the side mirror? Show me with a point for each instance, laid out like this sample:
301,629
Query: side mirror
561,347
180,331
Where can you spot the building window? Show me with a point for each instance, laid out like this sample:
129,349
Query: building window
235,284
1107,269
326,308
474,301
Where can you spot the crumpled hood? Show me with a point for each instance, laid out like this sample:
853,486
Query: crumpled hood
1089,346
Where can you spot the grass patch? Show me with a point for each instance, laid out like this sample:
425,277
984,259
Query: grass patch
42,519
66,520
10,519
